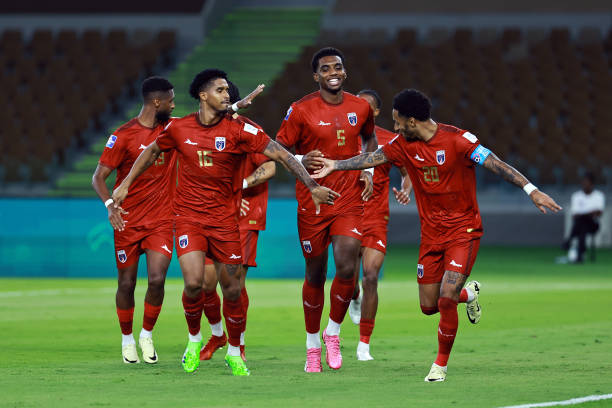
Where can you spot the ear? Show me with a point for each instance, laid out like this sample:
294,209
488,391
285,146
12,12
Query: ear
316,77
203,95
376,112
156,103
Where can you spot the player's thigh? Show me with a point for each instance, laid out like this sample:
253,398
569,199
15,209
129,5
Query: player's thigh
210,276
346,252
430,271
429,295
460,255
126,278
313,232
372,262
192,267
452,283
316,269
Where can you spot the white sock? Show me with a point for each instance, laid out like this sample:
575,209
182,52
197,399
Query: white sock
313,340
233,351
361,346
242,339
470,295
444,367
127,339
333,328
146,334
196,338
217,329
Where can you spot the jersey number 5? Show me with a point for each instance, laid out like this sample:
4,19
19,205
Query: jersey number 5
340,136
205,159
430,174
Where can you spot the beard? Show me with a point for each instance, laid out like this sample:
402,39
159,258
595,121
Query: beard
162,116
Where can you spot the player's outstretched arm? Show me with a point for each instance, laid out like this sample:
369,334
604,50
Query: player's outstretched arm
98,181
541,200
363,161
403,196
143,162
320,194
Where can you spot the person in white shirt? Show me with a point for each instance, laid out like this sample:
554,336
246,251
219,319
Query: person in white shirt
586,208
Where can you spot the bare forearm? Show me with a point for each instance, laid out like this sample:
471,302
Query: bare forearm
143,162
99,186
363,161
276,152
262,174
503,169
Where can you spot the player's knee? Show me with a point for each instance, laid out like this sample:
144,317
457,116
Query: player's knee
192,288
127,284
429,310
157,282
369,281
232,292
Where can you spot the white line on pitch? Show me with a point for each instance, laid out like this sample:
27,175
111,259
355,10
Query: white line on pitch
572,401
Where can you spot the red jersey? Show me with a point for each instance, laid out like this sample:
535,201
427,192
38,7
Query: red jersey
257,196
313,124
149,200
444,182
377,207
209,171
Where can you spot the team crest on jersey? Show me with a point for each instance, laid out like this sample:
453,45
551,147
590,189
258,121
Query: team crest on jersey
111,141
420,270
441,156
220,143
122,256
183,241
307,246
352,118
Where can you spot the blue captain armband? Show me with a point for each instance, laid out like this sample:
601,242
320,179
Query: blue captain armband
480,154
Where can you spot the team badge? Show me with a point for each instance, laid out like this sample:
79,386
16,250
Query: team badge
183,241
420,271
352,118
220,143
441,156
307,246
121,255
111,141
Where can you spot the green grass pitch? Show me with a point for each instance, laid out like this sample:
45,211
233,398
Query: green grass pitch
545,335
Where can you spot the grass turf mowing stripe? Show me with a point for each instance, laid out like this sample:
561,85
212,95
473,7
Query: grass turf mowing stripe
572,401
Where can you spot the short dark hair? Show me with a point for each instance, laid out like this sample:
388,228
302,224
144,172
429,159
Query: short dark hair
325,52
234,92
155,84
412,104
589,175
202,80
373,94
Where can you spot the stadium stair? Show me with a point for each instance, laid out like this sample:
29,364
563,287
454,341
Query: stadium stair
251,44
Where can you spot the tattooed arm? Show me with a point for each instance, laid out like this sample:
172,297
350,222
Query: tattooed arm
510,174
363,161
261,174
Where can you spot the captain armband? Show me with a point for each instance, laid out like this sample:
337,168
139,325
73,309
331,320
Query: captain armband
480,154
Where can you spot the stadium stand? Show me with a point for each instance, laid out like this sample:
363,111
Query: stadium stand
60,83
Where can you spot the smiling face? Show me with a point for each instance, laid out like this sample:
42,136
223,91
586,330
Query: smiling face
216,95
330,74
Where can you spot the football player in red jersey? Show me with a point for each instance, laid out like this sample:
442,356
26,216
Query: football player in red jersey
257,170
144,222
374,241
329,123
441,160
211,146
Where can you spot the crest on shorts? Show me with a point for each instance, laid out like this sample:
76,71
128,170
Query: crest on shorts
220,143
420,270
183,241
441,156
352,118
121,255
307,246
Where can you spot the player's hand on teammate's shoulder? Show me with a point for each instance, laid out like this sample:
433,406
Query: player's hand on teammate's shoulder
368,190
115,218
402,196
312,160
323,195
544,201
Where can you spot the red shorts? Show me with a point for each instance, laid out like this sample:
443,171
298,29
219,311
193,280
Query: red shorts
248,241
132,242
315,231
456,256
219,244
375,236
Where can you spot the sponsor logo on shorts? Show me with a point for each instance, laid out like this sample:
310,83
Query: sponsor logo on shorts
453,263
379,242
420,270
122,256
356,231
220,143
416,156
234,256
183,241
165,248
352,118
189,142
307,246
441,156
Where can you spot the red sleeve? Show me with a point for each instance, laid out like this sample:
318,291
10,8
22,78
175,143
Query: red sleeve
466,143
165,141
291,128
252,138
393,152
113,153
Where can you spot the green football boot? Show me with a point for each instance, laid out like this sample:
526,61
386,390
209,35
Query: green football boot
191,357
237,365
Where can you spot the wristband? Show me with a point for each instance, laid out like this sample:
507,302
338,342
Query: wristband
370,170
235,107
299,157
245,184
529,188
108,202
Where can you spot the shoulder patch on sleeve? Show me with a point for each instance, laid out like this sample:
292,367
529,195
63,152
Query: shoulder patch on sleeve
250,128
289,112
470,137
111,141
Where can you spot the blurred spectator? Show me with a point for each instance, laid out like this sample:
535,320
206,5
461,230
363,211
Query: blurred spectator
586,208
